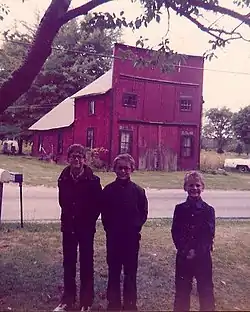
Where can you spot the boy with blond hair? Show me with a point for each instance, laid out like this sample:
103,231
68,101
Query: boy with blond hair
193,231
124,211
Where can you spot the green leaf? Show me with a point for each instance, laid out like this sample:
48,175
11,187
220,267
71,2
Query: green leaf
137,23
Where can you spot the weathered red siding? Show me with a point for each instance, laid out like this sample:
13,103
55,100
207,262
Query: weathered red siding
157,124
50,142
157,121
100,121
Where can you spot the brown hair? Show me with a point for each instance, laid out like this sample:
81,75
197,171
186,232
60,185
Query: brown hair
194,175
126,157
76,148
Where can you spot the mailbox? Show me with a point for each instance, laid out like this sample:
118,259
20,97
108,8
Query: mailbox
4,176
16,177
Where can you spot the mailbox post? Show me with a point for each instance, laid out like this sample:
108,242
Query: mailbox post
16,177
6,177
1,198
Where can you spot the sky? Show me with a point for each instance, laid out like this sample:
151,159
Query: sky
226,79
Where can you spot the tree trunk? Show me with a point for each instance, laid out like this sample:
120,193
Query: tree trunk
22,78
20,146
54,18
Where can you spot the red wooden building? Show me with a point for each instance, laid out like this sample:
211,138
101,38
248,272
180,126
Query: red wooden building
154,116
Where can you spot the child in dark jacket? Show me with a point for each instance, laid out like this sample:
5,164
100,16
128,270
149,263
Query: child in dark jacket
193,231
124,211
79,198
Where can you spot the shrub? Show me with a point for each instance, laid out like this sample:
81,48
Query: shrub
239,149
97,158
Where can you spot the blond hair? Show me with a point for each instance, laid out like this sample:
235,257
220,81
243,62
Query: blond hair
126,157
194,175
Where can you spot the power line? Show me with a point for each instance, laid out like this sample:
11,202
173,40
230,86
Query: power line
122,58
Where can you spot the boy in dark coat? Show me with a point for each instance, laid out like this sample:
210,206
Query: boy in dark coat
193,231
124,211
79,198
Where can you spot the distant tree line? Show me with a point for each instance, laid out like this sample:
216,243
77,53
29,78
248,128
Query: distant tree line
225,130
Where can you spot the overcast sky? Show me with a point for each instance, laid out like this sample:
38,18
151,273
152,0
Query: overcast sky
229,89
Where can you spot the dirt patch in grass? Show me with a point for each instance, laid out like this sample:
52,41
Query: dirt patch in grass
42,173
31,267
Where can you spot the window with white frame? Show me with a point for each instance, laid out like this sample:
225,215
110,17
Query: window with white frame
129,99
186,104
186,146
126,141
90,138
91,107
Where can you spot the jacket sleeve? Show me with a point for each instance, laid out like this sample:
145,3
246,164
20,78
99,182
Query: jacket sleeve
177,231
104,209
143,207
61,192
97,198
206,235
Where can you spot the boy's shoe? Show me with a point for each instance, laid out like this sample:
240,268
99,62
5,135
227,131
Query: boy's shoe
130,308
63,307
87,309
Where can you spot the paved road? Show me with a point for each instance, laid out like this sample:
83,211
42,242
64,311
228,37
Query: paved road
40,203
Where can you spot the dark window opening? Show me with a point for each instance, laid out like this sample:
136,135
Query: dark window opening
90,138
186,105
126,142
40,143
129,99
186,146
91,108
60,143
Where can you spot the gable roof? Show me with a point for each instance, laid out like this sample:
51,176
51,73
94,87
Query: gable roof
60,116
99,86
63,115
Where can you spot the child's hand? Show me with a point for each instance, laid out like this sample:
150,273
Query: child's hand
191,254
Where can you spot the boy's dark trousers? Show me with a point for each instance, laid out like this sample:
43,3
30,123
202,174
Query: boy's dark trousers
201,268
70,244
122,251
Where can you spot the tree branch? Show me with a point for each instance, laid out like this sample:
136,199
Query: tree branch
211,31
214,32
82,10
55,16
217,8
22,78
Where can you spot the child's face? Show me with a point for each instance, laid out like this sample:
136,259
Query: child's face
123,169
194,187
76,160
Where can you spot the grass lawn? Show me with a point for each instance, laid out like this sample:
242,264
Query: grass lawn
42,173
31,267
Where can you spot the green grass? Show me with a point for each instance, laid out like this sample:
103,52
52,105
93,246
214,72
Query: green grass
31,267
42,173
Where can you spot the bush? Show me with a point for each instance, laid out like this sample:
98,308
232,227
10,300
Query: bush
97,158
239,149
220,150
210,160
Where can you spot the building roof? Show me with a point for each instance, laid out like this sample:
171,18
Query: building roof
100,86
63,114
60,116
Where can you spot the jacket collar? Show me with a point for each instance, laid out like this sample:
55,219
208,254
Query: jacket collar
195,203
123,182
85,174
